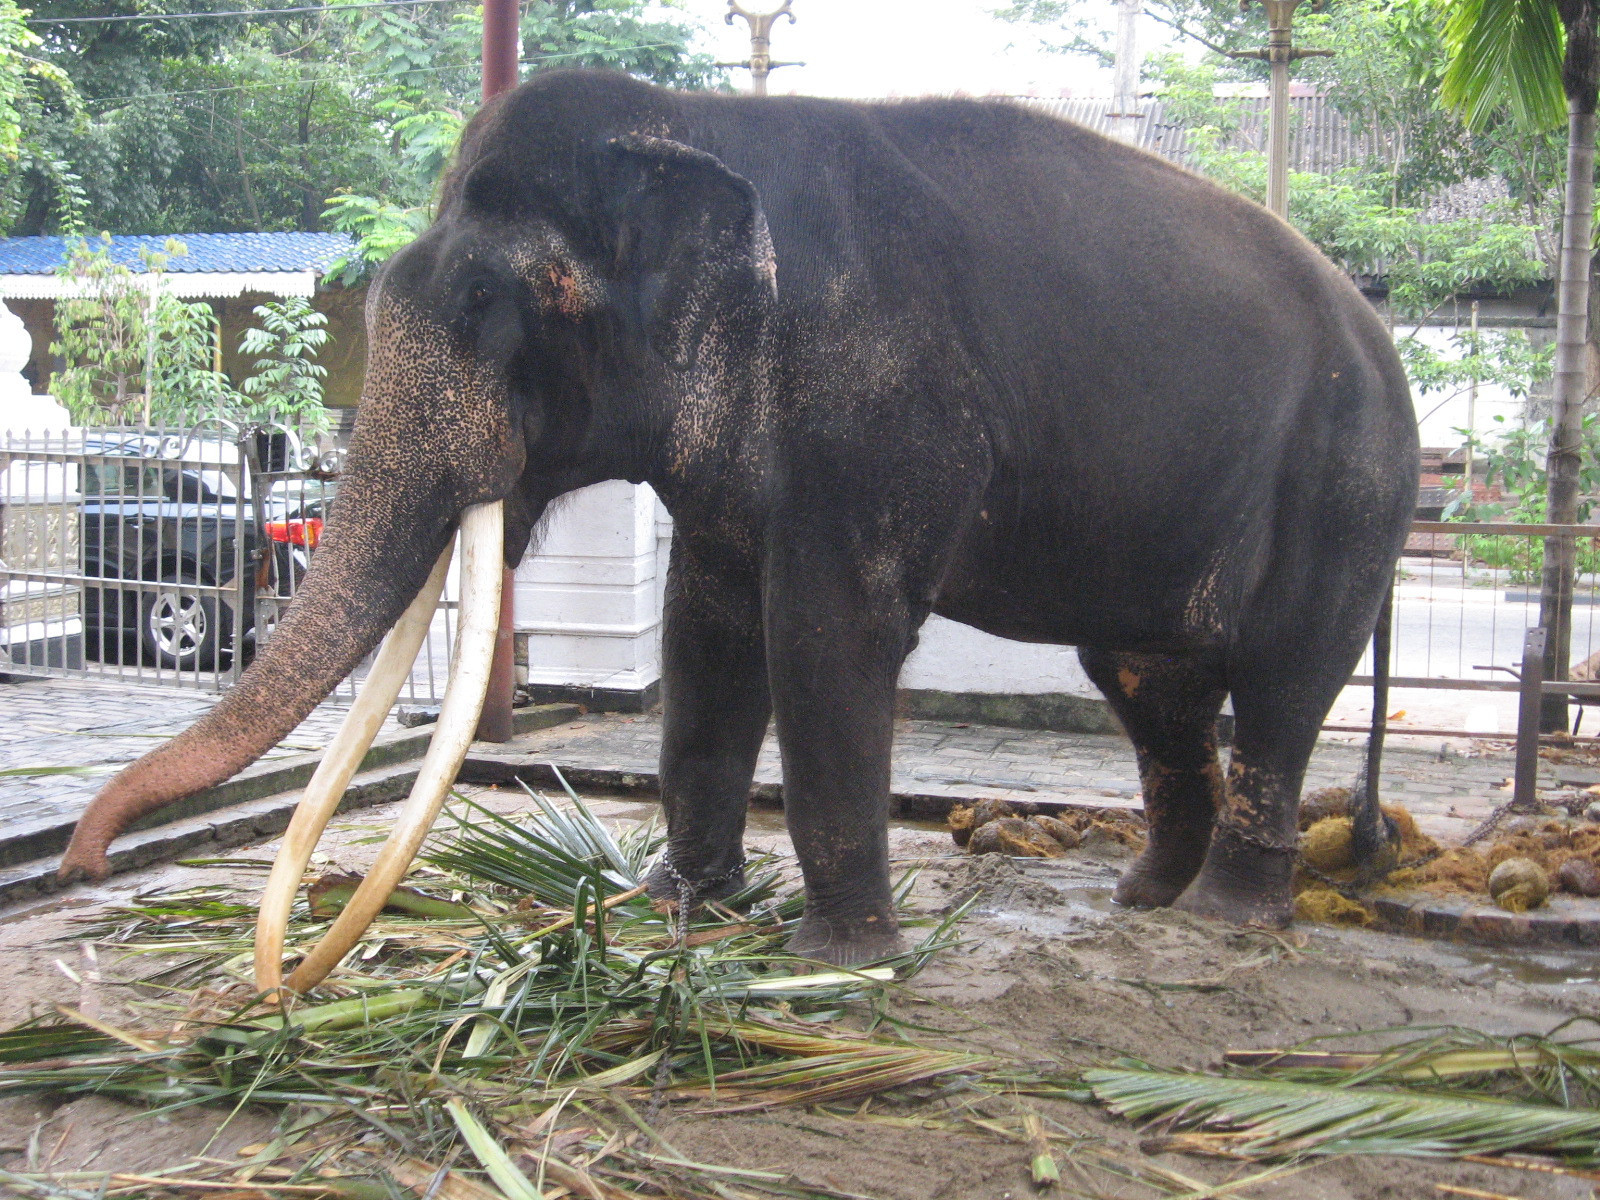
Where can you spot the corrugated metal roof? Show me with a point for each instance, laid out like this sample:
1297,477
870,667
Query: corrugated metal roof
208,253
1320,136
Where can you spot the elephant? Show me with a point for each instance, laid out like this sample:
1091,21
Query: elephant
878,360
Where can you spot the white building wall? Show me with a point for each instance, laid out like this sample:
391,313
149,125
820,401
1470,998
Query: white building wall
588,601
951,657
1441,414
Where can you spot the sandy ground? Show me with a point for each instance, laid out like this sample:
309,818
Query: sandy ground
1049,974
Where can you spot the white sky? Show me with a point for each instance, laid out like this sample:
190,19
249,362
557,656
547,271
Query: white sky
943,46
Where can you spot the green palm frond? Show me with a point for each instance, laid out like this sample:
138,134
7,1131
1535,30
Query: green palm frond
1556,1068
1505,55
1270,1118
549,857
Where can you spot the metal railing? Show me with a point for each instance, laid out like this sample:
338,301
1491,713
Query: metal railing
1466,618
165,555
1466,595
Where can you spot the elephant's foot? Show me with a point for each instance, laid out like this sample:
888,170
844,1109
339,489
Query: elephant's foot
1243,882
665,883
1157,879
846,942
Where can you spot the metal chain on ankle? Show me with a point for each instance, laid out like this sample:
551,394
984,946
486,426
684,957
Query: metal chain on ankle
689,889
1259,841
710,881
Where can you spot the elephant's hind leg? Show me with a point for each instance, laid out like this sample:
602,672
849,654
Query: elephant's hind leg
1168,704
1279,701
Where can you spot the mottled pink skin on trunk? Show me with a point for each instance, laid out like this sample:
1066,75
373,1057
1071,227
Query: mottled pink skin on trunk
356,589
215,748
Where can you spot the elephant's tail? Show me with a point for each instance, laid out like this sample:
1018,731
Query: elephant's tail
1373,835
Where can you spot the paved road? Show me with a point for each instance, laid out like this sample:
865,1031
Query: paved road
1446,625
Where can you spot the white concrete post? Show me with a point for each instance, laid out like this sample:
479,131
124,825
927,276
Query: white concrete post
20,409
40,618
588,601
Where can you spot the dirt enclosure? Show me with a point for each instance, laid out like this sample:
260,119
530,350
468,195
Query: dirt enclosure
1048,975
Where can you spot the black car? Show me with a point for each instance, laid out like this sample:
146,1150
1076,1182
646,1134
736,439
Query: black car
174,520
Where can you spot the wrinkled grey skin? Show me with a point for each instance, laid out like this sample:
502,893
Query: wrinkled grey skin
878,360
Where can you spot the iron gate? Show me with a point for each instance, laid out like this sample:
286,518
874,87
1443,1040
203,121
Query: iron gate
165,556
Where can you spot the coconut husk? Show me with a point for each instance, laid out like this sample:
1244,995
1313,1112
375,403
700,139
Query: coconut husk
964,819
1120,829
1064,833
1322,904
1326,845
1458,871
959,822
1585,840
1519,884
1322,804
1579,876
1551,844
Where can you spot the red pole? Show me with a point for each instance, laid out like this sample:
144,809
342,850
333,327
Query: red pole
502,48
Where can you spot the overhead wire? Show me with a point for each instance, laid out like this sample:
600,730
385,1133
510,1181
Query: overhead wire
239,87
242,12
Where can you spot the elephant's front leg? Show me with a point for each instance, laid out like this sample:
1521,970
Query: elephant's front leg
715,714
835,645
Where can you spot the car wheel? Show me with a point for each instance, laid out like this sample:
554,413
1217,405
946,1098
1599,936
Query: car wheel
181,630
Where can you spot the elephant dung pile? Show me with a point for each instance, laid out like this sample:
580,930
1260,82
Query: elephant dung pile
1534,857
997,827
1327,859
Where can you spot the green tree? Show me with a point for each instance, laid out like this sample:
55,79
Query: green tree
132,352
251,122
1539,61
29,86
286,385
1353,219
426,123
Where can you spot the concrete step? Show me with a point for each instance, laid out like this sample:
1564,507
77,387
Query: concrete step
256,803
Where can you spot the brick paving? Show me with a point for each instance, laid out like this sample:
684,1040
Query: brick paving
65,722
87,723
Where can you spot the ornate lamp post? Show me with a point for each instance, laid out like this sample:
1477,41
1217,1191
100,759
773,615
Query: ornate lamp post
1279,51
760,63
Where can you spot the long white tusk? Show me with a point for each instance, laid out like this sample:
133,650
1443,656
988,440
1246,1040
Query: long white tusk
339,763
482,552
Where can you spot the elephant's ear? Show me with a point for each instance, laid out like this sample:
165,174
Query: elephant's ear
692,237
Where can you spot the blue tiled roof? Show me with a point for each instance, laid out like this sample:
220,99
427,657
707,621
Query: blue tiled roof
210,252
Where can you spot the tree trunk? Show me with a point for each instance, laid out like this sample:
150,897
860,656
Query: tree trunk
1568,392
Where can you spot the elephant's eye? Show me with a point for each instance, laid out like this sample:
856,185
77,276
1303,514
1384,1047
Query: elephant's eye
478,296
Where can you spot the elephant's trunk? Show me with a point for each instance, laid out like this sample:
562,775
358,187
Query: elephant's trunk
372,562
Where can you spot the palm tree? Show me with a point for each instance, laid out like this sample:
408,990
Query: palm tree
1537,60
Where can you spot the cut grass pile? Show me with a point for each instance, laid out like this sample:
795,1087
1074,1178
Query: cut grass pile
523,975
